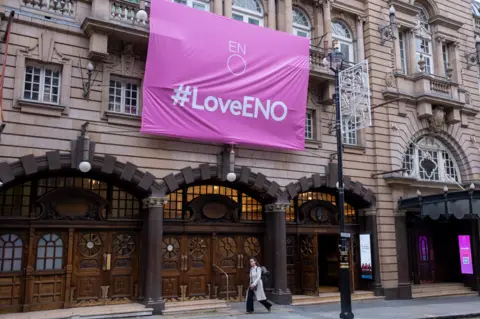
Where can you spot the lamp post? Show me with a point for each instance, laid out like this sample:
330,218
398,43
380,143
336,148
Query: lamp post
335,61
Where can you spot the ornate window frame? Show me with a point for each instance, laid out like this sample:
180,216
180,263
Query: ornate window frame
249,13
301,29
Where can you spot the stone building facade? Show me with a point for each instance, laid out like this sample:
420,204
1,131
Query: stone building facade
155,217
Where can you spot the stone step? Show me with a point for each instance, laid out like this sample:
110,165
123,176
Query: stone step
172,305
195,308
95,312
435,288
333,299
444,293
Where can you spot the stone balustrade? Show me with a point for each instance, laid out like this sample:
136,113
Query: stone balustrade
129,12
63,7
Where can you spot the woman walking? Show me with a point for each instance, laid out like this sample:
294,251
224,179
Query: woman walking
256,287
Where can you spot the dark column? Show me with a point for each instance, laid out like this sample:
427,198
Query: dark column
370,216
404,289
280,294
476,253
269,249
153,284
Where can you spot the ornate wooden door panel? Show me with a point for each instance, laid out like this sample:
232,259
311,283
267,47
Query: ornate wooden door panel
229,258
123,264
173,266
252,247
13,252
425,257
292,264
309,264
197,266
353,252
105,268
46,288
88,268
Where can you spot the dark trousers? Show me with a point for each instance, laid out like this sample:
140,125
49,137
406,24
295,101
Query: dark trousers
250,296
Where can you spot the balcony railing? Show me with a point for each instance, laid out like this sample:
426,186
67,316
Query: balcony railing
436,86
128,12
63,7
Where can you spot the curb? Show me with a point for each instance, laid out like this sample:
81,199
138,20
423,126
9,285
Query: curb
463,316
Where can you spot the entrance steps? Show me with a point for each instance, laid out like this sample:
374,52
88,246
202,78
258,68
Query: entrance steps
331,297
195,306
132,310
441,289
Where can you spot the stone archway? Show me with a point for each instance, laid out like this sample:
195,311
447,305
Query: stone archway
53,161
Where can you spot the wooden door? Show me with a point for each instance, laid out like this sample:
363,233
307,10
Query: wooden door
425,257
309,264
228,259
12,264
292,264
197,266
172,266
105,268
353,255
45,287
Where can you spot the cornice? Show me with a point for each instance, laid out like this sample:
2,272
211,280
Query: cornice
348,9
404,7
446,22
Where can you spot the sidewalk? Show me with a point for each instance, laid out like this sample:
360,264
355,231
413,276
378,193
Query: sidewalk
428,308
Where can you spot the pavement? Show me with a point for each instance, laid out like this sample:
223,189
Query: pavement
460,307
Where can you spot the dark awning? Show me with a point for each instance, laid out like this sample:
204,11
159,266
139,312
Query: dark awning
460,204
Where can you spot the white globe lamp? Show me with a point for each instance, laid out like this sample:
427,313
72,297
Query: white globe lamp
85,167
231,177
141,16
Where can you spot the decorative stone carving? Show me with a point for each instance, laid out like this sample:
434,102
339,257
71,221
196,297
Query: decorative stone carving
125,63
390,80
45,49
155,201
437,120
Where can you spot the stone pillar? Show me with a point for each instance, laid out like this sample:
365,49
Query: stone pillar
327,23
272,15
318,24
456,63
475,239
404,290
288,16
281,294
397,54
153,284
437,44
412,59
227,8
360,40
217,7
370,216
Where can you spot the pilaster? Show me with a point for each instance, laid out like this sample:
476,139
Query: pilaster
404,288
360,39
153,278
327,21
370,216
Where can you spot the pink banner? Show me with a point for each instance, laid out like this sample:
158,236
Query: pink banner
465,254
215,79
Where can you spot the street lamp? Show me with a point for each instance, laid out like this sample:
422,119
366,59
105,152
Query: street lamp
335,62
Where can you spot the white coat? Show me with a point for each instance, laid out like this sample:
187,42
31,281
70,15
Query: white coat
256,280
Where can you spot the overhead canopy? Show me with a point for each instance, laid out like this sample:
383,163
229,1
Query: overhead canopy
460,204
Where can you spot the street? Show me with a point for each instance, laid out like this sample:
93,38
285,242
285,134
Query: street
447,307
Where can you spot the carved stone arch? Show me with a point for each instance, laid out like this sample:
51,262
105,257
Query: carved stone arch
246,180
429,5
305,9
356,194
126,175
446,139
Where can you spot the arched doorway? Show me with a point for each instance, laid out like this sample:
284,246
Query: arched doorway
68,239
211,229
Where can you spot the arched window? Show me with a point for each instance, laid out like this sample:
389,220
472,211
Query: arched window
11,249
423,39
301,24
249,11
343,35
50,252
428,159
197,4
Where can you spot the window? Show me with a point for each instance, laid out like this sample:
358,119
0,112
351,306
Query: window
123,97
42,83
446,61
15,201
430,160
403,52
50,252
423,43
11,249
201,5
350,138
309,125
342,34
249,11
301,24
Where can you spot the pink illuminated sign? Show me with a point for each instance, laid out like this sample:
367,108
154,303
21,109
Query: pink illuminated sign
216,79
465,254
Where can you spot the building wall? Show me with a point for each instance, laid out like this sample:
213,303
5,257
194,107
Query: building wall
55,38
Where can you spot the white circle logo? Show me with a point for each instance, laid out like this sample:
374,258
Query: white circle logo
236,64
